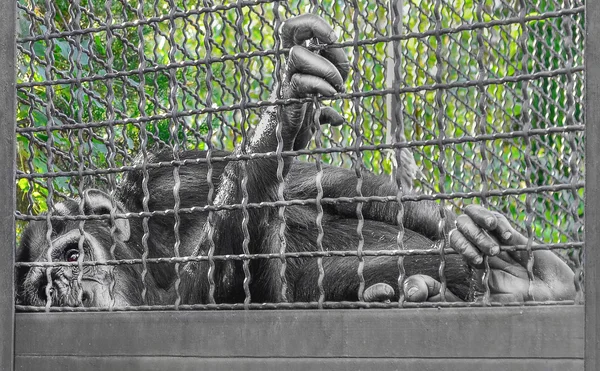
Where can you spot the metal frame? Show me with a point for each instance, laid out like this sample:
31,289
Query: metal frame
592,181
517,338
533,338
7,181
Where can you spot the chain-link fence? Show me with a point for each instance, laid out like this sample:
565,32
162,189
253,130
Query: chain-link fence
476,102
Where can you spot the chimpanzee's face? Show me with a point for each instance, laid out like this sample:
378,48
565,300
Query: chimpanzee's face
72,245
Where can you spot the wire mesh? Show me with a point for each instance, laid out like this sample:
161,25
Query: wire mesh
480,104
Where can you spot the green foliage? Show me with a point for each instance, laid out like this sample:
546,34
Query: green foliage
173,71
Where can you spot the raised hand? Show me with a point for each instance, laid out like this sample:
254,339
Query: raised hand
311,73
306,74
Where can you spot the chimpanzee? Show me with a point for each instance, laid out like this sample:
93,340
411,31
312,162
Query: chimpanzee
256,230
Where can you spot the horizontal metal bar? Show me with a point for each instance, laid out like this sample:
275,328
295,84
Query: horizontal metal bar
324,201
408,89
338,305
283,102
293,255
141,22
151,363
550,332
315,151
216,8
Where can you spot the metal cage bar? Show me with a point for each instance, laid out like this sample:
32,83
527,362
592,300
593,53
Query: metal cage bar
518,337
527,339
592,184
7,182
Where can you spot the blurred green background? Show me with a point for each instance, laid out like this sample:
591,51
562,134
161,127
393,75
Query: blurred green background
116,64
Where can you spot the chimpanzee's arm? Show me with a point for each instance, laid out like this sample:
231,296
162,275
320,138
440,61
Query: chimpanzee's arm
306,74
422,216
255,180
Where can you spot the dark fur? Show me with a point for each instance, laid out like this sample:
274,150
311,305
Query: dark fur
339,223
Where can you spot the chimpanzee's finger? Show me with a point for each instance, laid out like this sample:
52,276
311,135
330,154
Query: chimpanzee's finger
297,30
504,230
301,60
339,58
481,216
465,248
420,288
507,233
330,116
477,236
510,236
379,292
302,85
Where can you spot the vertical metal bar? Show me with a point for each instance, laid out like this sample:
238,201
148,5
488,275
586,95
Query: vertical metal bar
240,38
481,124
78,93
526,120
143,135
318,180
441,126
395,132
569,46
592,185
207,22
393,62
277,77
7,183
50,112
174,137
357,157
110,133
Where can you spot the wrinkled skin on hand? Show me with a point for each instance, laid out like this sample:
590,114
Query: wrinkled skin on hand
481,232
310,74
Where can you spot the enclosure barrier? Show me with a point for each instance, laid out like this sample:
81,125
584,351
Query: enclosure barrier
466,102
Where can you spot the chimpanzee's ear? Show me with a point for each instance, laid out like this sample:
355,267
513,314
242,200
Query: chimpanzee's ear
97,202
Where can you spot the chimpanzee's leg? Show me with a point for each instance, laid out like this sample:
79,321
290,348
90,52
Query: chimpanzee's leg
420,216
342,280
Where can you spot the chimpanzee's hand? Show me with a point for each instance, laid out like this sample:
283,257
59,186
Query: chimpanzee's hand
309,73
481,232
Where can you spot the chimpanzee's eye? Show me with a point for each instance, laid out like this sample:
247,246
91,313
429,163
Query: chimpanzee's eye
72,255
